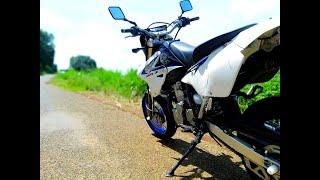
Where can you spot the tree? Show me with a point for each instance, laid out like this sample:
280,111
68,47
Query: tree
47,53
81,62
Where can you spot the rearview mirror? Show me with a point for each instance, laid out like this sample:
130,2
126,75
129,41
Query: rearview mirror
116,13
185,6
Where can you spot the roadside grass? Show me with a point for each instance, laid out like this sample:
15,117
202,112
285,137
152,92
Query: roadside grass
270,88
127,85
130,86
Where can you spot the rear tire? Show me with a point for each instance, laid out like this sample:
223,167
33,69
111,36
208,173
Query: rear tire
163,114
255,117
260,112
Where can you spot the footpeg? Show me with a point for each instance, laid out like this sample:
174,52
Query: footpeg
254,91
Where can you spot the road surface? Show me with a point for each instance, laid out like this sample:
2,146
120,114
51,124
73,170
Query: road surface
81,138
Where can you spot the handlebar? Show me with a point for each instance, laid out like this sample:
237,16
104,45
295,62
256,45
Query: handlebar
194,19
126,30
135,30
181,22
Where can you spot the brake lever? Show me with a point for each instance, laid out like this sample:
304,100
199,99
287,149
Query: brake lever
128,37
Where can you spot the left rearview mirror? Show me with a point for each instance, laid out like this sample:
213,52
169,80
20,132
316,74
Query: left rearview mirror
116,13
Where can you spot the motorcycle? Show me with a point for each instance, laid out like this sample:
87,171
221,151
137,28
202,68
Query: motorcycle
197,88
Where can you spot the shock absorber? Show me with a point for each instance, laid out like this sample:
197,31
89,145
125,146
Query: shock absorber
179,113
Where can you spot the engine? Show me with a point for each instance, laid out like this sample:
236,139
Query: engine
187,105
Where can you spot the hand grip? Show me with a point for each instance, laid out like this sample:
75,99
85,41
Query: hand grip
125,30
194,19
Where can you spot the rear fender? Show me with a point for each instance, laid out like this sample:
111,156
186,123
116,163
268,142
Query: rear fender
265,36
217,75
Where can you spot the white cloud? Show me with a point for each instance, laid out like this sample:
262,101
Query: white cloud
250,9
85,27
104,44
52,20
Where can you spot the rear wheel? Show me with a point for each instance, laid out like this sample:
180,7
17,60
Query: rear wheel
160,120
263,118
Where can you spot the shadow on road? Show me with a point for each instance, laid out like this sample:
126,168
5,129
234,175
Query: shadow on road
219,166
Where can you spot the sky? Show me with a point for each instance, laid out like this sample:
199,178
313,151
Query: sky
85,27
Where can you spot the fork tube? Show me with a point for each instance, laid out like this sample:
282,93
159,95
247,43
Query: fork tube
149,52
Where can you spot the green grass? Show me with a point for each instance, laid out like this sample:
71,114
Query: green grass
129,85
270,88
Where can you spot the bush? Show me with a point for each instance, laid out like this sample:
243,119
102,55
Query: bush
81,62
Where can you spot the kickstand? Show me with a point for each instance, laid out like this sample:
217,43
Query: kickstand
194,143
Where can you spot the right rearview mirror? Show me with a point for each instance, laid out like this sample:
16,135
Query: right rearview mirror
116,13
185,6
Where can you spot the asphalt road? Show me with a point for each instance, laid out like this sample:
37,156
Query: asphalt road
81,138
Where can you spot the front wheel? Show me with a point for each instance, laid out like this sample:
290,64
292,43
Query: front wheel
160,120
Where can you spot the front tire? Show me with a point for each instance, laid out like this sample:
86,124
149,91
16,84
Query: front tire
161,121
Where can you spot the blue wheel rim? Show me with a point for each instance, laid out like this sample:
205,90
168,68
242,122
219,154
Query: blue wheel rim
153,123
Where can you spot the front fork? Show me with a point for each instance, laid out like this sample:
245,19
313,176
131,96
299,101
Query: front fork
150,104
